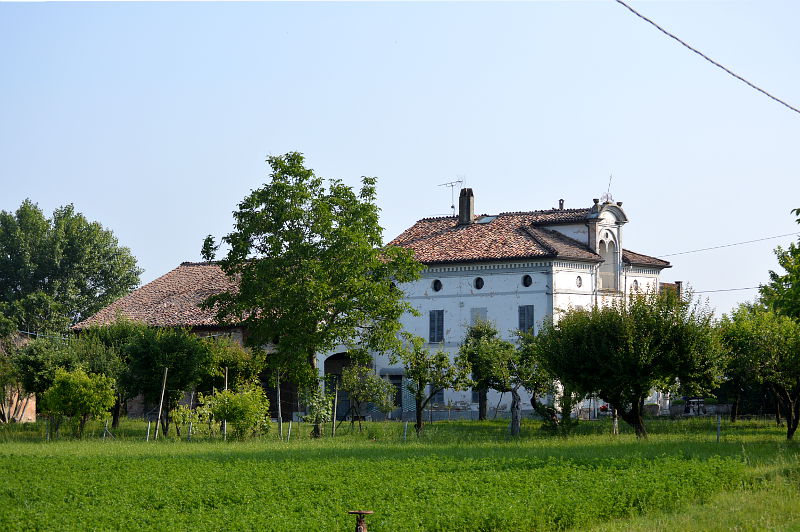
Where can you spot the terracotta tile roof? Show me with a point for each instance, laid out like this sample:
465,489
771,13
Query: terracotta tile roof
637,259
513,235
171,300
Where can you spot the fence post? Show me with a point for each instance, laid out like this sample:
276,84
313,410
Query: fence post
719,423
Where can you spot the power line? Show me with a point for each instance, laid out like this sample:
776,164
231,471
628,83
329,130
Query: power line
704,56
729,245
725,290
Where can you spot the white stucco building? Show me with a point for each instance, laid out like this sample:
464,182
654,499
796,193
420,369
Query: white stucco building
513,269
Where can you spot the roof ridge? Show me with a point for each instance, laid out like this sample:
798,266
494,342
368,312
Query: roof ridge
543,211
200,263
548,247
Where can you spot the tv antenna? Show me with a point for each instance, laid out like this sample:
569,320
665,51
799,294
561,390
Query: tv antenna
452,185
607,197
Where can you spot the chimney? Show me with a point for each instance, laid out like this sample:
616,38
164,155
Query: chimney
466,207
679,289
561,204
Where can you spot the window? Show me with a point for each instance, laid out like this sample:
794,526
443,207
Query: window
436,326
525,317
478,283
437,285
476,396
527,280
477,314
397,382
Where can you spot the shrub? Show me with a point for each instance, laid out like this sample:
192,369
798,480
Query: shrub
246,411
78,396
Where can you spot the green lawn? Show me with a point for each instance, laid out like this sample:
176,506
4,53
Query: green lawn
458,476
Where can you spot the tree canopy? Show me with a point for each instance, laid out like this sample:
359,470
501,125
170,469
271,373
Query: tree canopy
56,271
624,350
312,270
782,293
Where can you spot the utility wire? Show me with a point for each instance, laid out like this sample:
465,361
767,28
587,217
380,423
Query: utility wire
725,290
704,56
729,245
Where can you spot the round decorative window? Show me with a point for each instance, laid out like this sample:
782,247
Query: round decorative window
527,280
578,281
437,285
478,283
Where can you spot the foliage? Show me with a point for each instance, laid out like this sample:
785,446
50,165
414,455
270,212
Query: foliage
766,346
428,373
151,350
319,406
311,268
489,357
364,386
77,395
246,411
244,364
782,293
624,350
55,272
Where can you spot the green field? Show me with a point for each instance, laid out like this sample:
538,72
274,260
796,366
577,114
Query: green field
458,476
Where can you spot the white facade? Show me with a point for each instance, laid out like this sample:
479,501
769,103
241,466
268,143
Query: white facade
496,290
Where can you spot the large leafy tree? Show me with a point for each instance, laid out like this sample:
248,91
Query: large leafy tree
766,345
312,270
623,351
56,271
782,293
429,372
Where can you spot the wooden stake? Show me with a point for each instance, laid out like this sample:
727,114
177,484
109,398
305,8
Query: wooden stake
161,403
335,405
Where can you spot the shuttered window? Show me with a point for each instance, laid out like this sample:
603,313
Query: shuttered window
436,326
525,317
477,314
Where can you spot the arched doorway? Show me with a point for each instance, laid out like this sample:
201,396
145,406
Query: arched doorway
333,367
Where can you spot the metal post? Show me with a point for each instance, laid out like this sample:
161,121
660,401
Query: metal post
288,436
161,403
147,438
335,405
405,431
225,421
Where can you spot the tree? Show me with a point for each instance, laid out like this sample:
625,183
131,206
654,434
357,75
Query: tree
626,349
532,373
767,346
494,364
363,386
312,270
245,410
78,395
150,351
55,272
487,355
244,365
429,372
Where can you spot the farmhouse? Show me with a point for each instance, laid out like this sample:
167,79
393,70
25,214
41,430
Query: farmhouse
513,269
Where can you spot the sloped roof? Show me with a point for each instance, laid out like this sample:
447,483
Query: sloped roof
637,259
514,235
172,300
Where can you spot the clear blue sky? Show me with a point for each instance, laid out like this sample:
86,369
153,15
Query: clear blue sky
155,119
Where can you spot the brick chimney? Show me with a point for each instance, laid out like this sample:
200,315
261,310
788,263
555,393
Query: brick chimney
466,207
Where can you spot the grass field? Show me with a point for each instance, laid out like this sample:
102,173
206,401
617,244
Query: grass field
458,476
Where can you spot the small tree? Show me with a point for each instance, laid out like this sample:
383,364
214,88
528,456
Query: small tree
487,355
246,411
623,351
79,396
364,386
319,406
429,372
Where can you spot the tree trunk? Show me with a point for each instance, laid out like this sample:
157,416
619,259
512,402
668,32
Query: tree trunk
483,403
515,417
792,417
633,417
419,407
82,424
116,412
735,408
777,410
